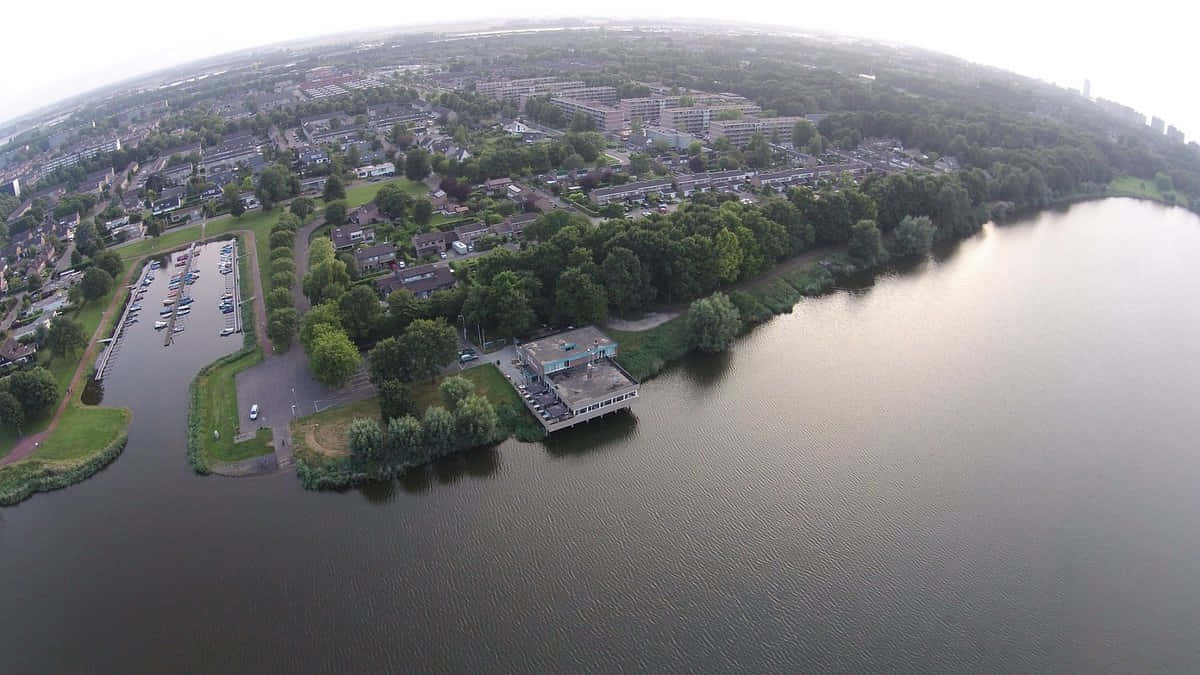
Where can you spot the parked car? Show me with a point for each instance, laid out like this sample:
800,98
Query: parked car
467,355
254,411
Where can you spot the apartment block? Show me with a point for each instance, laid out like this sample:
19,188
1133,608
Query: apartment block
739,132
695,120
604,118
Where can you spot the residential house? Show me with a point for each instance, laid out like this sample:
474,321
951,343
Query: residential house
514,226
470,233
169,200
15,352
374,257
432,243
347,237
367,214
421,280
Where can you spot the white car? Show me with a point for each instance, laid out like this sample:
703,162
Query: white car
254,411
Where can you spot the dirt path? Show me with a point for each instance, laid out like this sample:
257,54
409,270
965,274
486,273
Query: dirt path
260,300
29,444
649,320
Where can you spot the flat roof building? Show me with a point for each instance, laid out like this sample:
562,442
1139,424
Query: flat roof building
604,118
739,132
696,119
571,378
637,190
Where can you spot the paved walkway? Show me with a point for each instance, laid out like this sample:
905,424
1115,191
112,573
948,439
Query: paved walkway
29,444
649,320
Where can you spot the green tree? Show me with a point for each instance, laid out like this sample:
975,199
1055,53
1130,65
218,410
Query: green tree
12,415
360,312
403,307
503,304
627,281
422,211
281,326
406,441
387,360
326,281
320,251
109,261
366,441
392,201
333,359
429,345
802,133
275,184
35,389
913,237
334,189
282,238
438,431
578,299
639,164
713,322
729,255
866,244
283,280
335,213
279,297
394,399
301,207
96,283
324,315
475,421
416,164
65,336
454,389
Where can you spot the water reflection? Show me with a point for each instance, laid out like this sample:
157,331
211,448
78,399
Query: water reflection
93,390
378,492
707,369
594,436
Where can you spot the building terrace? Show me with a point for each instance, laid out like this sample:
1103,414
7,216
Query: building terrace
571,377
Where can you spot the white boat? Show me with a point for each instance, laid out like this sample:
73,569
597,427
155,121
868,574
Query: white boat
226,331
159,325
178,329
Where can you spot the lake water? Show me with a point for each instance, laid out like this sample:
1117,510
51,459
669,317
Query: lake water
988,463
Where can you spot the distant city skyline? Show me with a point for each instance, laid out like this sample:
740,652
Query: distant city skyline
1059,43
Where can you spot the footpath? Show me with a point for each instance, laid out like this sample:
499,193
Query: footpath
29,444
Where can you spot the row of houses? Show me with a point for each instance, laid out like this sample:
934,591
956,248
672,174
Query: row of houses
686,185
433,243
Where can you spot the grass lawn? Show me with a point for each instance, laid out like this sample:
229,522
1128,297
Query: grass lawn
361,194
329,427
644,353
218,409
62,368
169,240
83,429
1129,186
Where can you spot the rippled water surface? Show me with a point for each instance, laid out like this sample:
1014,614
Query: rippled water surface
987,463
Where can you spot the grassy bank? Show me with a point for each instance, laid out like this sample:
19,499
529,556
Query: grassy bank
320,440
1141,188
86,440
645,353
212,403
63,367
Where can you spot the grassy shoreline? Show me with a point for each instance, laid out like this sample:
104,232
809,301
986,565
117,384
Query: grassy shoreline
212,397
329,467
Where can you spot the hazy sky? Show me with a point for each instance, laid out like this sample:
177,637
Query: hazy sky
1139,53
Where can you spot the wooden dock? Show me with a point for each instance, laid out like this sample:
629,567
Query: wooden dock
187,269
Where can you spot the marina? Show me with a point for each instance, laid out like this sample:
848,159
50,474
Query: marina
175,300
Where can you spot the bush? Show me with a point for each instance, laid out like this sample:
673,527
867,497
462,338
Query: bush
713,322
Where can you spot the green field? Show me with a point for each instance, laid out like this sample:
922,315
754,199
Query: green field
218,409
83,430
171,239
644,353
361,194
1129,186
62,368
329,427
